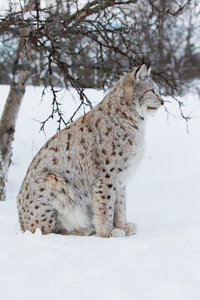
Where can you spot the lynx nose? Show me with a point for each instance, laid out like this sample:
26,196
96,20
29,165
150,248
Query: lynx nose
161,101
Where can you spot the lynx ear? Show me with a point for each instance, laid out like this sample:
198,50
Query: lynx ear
140,73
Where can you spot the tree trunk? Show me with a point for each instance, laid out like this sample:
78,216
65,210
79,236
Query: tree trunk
21,73
2,180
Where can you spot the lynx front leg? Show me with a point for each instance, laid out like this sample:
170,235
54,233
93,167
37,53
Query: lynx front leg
104,194
120,213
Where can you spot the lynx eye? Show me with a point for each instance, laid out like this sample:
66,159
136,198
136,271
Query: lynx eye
150,91
154,92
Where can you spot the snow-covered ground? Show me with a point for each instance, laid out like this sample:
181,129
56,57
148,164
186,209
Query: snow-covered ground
162,261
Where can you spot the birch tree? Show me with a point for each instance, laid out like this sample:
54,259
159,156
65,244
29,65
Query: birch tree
21,71
2,180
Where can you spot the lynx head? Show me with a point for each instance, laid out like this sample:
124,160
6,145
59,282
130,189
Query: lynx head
146,90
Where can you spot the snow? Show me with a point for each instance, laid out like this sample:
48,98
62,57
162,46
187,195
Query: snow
162,261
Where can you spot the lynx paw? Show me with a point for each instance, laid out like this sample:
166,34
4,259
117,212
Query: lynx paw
83,231
89,231
117,233
130,228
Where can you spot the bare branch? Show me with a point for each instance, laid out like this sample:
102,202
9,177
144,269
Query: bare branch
95,7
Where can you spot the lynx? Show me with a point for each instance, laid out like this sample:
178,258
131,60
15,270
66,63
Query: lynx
76,184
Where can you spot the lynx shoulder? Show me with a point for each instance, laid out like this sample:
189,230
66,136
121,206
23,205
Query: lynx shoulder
76,184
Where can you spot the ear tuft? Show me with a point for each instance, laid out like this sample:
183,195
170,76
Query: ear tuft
141,72
149,71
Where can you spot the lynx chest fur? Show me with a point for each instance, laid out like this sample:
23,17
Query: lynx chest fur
76,182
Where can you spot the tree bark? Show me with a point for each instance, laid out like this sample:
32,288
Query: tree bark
2,180
21,71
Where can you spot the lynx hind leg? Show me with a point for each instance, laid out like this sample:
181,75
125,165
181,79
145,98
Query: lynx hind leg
44,200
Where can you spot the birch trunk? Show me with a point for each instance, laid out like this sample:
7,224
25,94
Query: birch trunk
2,180
17,89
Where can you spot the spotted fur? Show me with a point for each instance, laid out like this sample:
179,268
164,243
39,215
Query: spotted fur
76,182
